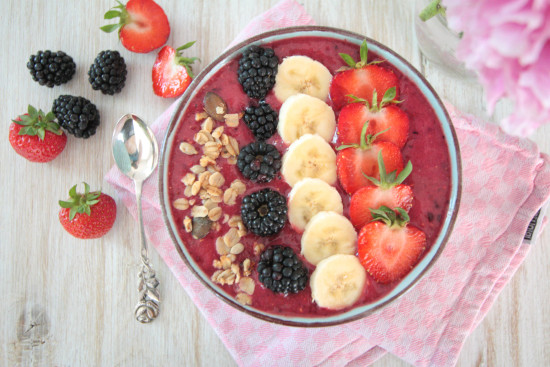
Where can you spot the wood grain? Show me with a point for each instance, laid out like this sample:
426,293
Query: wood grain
69,302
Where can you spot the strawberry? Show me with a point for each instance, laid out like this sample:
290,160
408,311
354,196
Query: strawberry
354,161
143,25
381,116
360,79
87,215
388,191
389,248
172,72
36,136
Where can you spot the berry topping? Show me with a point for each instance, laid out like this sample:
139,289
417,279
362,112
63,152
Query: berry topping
36,136
143,25
76,115
261,120
108,72
264,212
281,271
259,161
51,68
257,71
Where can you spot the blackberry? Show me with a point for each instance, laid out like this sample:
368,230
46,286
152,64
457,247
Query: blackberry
108,72
257,70
261,120
281,271
264,212
76,115
51,68
259,161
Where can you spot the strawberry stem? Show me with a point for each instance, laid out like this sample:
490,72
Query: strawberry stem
37,123
396,218
80,203
389,180
186,62
363,54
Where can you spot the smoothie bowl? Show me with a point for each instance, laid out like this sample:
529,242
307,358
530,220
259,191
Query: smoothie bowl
309,176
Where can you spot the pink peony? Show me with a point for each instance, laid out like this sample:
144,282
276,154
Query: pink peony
507,42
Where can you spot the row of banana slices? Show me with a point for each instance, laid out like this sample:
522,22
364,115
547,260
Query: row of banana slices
329,240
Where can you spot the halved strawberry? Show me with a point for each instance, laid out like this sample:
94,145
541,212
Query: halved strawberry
389,248
36,136
354,161
172,72
388,191
361,79
381,116
143,25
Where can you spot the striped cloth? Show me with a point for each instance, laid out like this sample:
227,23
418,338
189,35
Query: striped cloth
506,181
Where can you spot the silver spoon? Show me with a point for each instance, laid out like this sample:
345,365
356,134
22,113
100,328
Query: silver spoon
135,151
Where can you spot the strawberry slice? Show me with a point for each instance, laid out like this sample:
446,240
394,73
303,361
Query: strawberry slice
143,25
389,248
361,79
172,72
388,191
354,161
381,116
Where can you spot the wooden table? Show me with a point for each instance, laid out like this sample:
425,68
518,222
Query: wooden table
69,302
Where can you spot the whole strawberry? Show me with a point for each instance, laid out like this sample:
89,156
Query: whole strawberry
143,25
36,136
172,72
87,215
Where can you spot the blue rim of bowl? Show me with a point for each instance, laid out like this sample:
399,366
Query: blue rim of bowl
404,67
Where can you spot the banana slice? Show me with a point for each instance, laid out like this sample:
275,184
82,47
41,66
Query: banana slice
301,74
309,156
327,234
338,281
309,197
303,114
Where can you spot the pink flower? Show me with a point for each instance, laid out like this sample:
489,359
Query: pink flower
507,42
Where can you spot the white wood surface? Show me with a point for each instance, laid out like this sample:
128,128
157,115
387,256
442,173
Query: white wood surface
68,302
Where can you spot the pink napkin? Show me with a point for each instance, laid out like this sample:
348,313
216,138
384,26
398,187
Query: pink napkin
506,181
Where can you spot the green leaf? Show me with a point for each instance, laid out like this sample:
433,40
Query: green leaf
86,188
72,213
346,146
348,59
431,10
403,214
112,14
186,46
41,134
110,27
27,130
189,71
72,192
65,204
389,95
363,51
404,173
363,142
33,113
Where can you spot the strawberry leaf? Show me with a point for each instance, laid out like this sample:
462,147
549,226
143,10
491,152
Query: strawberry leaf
41,134
404,173
80,203
110,27
186,46
112,14
348,60
33,113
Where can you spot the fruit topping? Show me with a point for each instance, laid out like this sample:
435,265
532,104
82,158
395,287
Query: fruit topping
356,161
388,120
301,74
89,214
108,72
259,161
264,212
302,114
338,282
215,106
36,136
281,271
309,156
389,247
309,197
257,71
172,72
51,68
388,191
261,120
327,234
77,115
361,79
143,25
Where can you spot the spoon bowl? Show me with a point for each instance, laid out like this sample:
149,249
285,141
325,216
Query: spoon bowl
135,151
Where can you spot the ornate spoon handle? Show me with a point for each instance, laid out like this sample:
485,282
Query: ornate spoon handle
147,308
